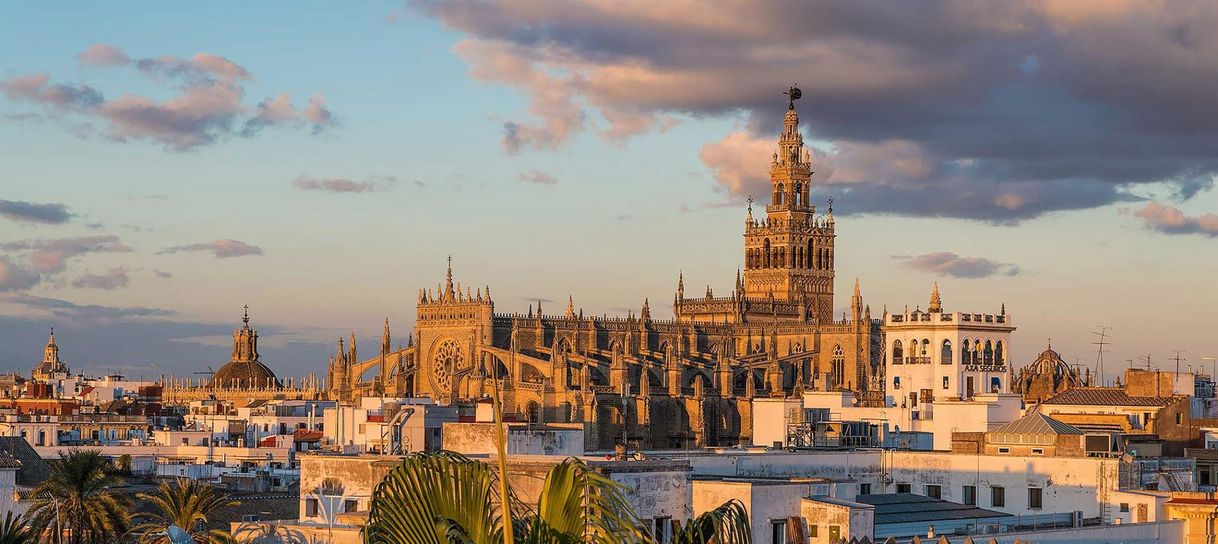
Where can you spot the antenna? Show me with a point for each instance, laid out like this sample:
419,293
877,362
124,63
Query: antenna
1147,361
1102,333
1177,359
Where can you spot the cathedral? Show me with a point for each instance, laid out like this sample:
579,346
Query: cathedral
662,383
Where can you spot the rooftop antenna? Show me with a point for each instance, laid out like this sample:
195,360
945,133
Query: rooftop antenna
1177,359
1102,333
1147,361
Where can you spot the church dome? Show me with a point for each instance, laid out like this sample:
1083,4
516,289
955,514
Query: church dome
243,374
244,369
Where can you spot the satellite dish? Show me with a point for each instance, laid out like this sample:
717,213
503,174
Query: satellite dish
179,536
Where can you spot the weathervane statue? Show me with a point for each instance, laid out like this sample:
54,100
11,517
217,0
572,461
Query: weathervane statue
793,94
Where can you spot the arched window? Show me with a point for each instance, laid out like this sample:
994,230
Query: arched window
811,254
779,191
925,350
989,353
838,365
897,352
766,252
998,357
966,356
533,412
977,351
799,200
945,354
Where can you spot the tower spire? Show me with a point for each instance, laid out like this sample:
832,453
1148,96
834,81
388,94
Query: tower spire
936,303
570,307
448,280
244,319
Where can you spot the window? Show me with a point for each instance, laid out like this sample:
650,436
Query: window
835,533
995,384
1036,497
934,491
897,352
812,532
1038,451
1179,418
945,354
998,496
1124,508
310,508
896,382
969,495
663,530
778,532
864,489
1004,450
350,505
946,382
903,488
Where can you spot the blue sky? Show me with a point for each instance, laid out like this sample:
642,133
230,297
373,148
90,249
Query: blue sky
631,159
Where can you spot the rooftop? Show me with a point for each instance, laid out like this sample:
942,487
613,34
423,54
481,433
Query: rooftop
1104,396
908,507
1037,423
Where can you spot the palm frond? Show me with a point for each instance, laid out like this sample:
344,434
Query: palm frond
576,500
727,524
435,498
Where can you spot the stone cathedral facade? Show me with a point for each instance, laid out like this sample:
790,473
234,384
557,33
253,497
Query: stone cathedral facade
682,382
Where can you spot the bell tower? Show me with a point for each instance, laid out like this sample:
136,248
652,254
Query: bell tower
789,252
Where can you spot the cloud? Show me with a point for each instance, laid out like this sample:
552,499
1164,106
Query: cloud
210,104
100,54
950,264
162,274
1169,220
222,249
14,277
344,185
29,212
70,310
998,113
38,89
109,281
51,256
537,177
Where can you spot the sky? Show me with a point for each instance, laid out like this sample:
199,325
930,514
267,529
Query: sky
318,161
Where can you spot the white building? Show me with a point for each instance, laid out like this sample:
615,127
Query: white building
932,354
387,425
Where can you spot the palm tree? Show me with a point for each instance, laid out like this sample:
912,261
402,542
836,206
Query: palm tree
14,530
268,533
444,497
188,504
77,500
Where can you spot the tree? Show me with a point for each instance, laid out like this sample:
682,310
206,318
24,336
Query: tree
14,530
444,497
77,500
268,533
188,504
124,463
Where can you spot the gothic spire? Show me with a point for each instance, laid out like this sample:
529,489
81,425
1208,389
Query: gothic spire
386,344
448,280
570,307
936,303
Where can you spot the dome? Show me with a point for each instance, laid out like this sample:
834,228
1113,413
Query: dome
244,369
243,374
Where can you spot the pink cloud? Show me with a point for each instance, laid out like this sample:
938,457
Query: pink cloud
221,249
1170,220
101,55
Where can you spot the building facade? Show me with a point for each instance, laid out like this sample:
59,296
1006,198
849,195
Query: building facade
686,381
